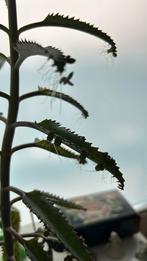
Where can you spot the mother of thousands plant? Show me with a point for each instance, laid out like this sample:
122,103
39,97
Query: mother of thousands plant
58,139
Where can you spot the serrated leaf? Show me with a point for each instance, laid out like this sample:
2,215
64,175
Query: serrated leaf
35,250
52,126
59,20
61,201
28,48
60,151
72,23
53,219
79,144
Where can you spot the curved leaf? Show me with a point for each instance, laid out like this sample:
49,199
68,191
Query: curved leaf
72,23
44,144
27,48
61,201
53,219
59,95
79,144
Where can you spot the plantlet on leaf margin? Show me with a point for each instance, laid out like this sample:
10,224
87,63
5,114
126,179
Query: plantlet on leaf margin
60,140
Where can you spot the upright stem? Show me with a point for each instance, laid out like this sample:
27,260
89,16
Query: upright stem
9,132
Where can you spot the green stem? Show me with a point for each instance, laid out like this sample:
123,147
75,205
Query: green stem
19,192
30,26
9,132
15,200
25,146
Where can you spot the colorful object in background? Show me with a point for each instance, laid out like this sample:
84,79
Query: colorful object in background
106,212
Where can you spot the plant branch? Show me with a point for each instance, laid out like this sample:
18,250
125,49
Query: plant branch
27,124
4,28
3,119
59,95
13,201
4,95
9,132
5,58
20,192
29,26
24,146
34,234
15,234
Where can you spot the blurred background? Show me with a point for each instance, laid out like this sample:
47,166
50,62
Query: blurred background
113,90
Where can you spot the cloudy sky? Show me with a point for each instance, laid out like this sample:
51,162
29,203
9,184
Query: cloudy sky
112,89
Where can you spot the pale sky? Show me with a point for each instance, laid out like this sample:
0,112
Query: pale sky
112,89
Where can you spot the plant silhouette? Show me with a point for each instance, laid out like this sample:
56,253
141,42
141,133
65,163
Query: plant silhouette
58,140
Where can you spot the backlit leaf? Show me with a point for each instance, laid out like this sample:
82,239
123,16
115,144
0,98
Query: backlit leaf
53,219
79,144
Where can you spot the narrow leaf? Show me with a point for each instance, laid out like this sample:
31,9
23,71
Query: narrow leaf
79,144
27,48
61,201
59,95
59,20
60,151
53,219
72,23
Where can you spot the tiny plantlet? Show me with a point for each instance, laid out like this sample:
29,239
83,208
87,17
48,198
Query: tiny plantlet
57,139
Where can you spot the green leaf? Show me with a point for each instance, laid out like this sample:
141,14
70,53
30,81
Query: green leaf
27,48
59,95
59,20
48,126
53,219
35,250
79,144
60,151
60,201
72,23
